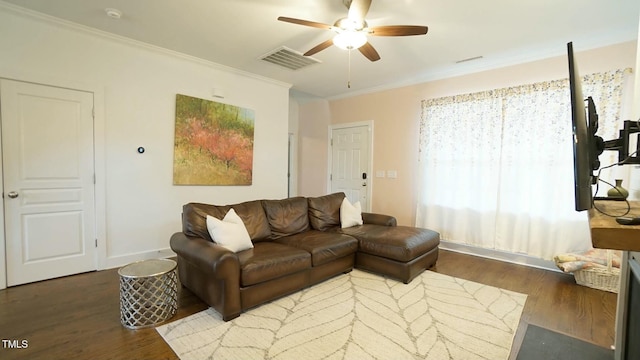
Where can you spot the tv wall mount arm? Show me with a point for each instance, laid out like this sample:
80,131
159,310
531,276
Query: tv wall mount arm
621,144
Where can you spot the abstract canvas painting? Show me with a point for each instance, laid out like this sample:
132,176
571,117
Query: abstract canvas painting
213,143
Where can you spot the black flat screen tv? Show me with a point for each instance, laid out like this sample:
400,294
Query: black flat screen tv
584,119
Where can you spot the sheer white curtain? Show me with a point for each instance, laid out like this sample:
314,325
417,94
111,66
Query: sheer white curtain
459,163
496,167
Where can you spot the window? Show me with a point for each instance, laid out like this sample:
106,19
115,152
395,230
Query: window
496,167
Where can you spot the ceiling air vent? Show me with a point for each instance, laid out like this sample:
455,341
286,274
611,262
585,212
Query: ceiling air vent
288,58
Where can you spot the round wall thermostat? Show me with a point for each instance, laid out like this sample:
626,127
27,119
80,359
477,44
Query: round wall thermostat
140,150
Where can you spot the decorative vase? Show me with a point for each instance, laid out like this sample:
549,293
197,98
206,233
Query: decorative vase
618,191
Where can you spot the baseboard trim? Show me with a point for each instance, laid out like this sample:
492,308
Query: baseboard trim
513,258
519,259
121,260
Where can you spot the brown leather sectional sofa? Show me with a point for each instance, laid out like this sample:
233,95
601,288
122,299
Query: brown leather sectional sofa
297,242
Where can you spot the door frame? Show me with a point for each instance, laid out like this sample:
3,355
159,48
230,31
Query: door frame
369,125
98,163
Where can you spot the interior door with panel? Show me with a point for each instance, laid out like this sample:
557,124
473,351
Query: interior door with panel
350,159
48,195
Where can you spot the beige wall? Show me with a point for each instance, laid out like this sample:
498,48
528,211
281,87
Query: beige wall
396,114
395,145
313,130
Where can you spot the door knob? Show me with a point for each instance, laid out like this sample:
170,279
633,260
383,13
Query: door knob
13,194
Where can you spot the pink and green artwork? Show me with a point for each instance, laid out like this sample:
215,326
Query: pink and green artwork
213,143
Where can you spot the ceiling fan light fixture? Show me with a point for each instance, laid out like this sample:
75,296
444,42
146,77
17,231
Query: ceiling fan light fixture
352,31
349,40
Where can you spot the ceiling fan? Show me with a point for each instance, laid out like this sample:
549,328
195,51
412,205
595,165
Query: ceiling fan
352,31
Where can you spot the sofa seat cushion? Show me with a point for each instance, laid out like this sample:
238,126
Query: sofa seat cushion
269,260
323,246
400,243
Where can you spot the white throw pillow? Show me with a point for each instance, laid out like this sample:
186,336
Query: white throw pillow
350,215
229,232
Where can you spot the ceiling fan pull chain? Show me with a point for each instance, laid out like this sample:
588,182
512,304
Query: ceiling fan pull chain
349,72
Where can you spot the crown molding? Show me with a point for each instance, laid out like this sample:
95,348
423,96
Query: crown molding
52,20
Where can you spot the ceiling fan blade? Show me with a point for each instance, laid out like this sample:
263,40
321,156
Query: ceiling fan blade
305,22
319,47
369,52
358,9
398,30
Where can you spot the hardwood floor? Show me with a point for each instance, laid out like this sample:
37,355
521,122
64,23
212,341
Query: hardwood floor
554,300
78,317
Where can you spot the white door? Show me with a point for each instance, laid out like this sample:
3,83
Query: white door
350,163
48,195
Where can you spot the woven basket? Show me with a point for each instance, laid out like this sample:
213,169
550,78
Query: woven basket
607,279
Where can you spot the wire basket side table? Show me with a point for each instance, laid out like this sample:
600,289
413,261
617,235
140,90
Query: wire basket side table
148,292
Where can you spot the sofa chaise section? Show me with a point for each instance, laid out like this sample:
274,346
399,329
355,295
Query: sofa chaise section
401,252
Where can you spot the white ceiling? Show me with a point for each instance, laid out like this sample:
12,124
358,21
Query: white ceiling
236,33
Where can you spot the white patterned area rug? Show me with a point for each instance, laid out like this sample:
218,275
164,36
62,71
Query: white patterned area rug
361,316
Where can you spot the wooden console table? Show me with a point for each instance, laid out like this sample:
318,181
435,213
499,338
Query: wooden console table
606,233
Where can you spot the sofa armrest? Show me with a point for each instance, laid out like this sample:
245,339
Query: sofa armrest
210,271
206,255
379,219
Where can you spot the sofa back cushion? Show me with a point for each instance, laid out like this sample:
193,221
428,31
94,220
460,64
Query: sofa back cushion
287,216
194,219
324,211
